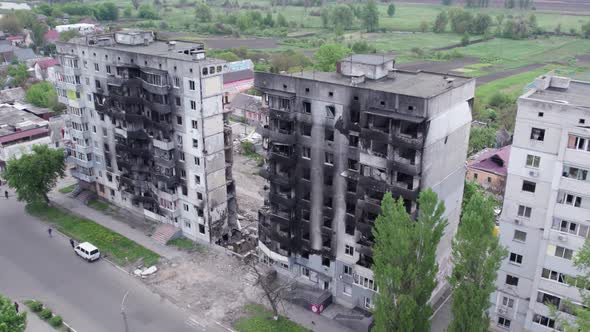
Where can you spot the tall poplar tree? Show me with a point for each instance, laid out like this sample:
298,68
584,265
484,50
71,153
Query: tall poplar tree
477,255
405,267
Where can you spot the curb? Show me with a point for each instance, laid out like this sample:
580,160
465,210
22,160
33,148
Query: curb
63,322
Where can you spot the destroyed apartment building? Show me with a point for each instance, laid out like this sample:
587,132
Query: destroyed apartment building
335,143
148,129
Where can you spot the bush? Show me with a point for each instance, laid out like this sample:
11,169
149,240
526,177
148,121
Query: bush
46,313
56,321
36,306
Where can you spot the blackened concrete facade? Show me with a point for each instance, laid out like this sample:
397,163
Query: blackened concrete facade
336,142
148,129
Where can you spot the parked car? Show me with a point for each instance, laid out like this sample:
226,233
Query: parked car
87,251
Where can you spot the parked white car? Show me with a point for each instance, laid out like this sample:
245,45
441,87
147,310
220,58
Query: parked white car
87,251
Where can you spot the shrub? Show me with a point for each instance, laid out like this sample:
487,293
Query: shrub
36,306
55,321
46,313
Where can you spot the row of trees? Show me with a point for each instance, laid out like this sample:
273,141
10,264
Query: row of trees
342,17
522,4
405,265
462,22
106,11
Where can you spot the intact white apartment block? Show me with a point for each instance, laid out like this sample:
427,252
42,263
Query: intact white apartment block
546,214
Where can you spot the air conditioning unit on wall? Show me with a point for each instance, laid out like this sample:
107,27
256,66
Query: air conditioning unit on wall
562,237
517,221
534,173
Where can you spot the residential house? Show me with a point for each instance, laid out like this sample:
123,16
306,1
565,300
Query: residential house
246,107
44,70
489,168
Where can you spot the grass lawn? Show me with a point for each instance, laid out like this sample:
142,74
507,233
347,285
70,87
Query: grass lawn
514,85
120,249
67,189
259,319
185,244
99,205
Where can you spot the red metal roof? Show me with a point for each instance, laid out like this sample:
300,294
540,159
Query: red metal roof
17,37
493,161
21,134
51,35
46,63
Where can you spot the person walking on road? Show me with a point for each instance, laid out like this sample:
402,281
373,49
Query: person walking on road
6,194
16,306
49,230
72,243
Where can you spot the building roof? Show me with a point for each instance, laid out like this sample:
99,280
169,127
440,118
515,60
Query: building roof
246,102
236,76
156,48
24,54
368,59
14,121
492,161
88,20
51,35
11,95
577,93
419,84
46,63
21,134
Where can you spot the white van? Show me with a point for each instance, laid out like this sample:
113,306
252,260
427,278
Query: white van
87,251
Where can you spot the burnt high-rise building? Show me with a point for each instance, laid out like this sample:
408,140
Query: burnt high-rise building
148,129
335,143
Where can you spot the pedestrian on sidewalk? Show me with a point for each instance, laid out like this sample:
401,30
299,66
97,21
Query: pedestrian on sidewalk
16,306
72,243
6,194
49,230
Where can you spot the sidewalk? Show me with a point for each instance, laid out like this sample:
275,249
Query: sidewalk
305,317
79,208
34,323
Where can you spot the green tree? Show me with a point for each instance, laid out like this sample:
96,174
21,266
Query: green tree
227,56
423,26
391,10
586,30
42,94
371,16
35,174
580,312
106,12
9,23
128,11
327,56
404,256
477,255
19,73
38,31
10,320
67,35
203,12
440,23
481,138
341,17
281,21
480,24
136,3
147,12
268,21
460,20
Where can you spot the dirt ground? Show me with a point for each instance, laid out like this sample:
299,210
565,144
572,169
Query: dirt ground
438,66
210,283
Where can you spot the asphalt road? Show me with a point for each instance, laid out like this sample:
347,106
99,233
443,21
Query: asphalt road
87,295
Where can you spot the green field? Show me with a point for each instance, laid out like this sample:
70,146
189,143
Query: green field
118,248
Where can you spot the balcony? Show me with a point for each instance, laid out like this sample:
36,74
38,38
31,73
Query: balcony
169,179
404,165
374,134
397,189
165,145
158,108
364,246
156,89
169,195
407,141
80,162
83,177
281,199
121,132
278,217
282,136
